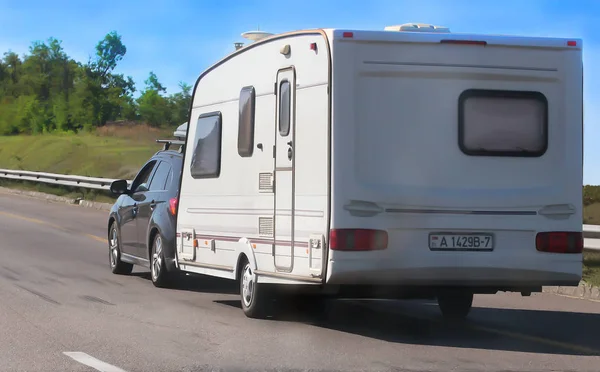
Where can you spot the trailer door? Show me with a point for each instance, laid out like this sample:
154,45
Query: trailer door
284,170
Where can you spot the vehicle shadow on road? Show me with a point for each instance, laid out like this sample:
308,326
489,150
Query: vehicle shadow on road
421,323
198,283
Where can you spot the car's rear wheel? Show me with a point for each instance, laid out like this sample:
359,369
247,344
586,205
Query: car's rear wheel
114,251
161,277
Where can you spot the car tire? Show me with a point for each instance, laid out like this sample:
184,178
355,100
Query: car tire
159,273
114,252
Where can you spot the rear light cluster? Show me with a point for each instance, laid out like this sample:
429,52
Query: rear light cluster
357,240
559,242
173,206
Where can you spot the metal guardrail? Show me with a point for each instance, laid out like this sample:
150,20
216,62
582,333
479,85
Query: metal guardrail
591,233
59,179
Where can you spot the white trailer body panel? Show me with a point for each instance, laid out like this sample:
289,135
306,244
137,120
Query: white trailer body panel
399,163
262,206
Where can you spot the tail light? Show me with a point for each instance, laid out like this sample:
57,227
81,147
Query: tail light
357,240
559,242
173,206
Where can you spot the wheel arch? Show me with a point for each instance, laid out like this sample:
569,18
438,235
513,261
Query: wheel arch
111,219
154,230
245,252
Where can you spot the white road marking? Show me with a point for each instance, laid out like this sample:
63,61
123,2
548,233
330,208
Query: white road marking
90,361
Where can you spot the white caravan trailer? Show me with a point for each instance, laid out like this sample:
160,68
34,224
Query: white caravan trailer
406,161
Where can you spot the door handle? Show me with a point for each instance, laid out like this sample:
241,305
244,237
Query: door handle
152,205
290,143
134,210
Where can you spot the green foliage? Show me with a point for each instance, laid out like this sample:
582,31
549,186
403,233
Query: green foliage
46,91
87,154
591,195
591,268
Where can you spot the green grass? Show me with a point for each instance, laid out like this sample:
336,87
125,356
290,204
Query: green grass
101,154
113,151
591,268
591,214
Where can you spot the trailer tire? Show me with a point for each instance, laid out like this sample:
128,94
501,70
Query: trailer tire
455,305
254,296
114,252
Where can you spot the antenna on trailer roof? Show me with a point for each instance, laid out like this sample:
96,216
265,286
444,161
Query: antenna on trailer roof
256,35
253,36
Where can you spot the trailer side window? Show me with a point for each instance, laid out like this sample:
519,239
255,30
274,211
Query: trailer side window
503,123
284,108
206,158
246,122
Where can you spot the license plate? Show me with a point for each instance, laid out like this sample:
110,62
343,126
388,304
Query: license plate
461,242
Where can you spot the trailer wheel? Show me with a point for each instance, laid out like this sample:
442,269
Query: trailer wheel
455,305
253,295
114,252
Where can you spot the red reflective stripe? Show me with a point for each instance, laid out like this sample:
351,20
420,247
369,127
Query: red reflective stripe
225,238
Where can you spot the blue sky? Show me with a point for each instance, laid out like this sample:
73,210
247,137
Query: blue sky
178,39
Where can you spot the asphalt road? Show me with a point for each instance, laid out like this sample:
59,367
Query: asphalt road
60,308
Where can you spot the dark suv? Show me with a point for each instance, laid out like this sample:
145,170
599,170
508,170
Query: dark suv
141,223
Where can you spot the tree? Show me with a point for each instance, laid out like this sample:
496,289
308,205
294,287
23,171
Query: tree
45,91
109,51
154,108
180,103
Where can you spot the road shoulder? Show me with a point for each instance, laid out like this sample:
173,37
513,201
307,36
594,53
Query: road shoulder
583,291
56,198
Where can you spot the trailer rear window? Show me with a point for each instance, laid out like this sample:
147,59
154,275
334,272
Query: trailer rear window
503,123
246,122
206,159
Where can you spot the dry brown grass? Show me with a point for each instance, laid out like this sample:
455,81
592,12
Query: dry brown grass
134,131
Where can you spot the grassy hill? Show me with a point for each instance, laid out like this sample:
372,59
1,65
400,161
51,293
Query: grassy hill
114,151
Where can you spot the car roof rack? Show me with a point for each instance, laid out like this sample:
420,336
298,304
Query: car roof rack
168,143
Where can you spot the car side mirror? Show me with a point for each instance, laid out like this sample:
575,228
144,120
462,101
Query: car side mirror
119,187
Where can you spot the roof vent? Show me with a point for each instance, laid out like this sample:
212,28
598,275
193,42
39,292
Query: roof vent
418,27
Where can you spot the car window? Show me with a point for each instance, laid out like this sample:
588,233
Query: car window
168,180
140,183
160,176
